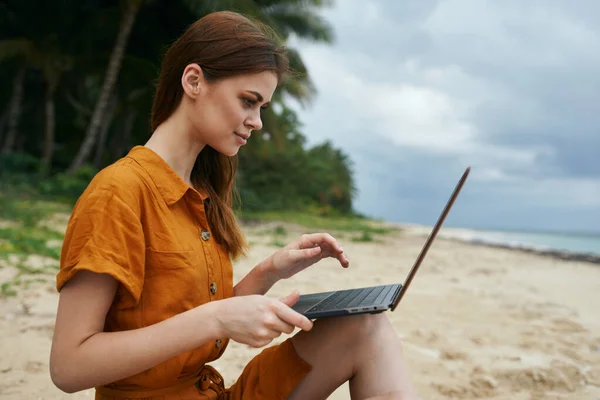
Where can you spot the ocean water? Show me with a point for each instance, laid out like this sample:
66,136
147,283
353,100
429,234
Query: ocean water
580,243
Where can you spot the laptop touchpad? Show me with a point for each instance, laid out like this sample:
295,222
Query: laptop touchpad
308,301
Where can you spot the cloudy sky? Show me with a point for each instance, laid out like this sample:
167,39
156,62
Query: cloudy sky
416,90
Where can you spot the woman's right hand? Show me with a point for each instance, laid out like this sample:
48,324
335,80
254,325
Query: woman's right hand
256,320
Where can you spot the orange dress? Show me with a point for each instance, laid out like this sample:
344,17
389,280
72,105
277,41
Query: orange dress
139,222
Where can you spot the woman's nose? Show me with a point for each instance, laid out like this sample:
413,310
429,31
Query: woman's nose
254,122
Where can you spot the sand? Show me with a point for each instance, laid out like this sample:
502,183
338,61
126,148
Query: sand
478,322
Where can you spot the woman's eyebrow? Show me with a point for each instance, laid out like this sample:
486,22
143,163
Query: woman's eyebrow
258,96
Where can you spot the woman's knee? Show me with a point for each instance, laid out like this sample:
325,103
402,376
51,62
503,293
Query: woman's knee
366,326
353,330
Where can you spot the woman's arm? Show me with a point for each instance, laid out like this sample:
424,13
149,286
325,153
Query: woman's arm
83,356
258,280
287,262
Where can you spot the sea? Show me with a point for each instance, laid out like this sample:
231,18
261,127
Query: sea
570,242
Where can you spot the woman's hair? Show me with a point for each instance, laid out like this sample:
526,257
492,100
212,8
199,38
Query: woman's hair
223,44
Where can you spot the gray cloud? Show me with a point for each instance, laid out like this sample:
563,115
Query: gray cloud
415,90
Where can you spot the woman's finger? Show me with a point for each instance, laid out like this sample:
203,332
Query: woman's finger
340,256
267,333
293,318
304,242
343,260
320,239
281,326
304,254
329,250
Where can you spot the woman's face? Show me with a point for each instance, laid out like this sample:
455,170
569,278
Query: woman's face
224,113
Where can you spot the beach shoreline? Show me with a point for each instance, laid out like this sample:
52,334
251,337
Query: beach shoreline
479,321
470,236
556,254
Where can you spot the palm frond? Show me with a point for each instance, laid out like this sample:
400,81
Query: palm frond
303,23
299,85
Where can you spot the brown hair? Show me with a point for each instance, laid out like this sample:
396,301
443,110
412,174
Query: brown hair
223,44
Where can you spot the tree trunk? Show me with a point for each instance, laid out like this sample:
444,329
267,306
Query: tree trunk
110,79
110,114
14,112
48,131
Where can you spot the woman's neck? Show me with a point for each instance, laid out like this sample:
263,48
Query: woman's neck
173,142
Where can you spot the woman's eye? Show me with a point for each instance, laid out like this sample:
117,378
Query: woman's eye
249,102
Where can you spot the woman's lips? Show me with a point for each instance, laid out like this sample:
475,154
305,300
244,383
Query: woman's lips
243,139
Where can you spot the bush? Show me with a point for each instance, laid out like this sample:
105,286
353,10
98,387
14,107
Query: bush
15,164
23,173
68,186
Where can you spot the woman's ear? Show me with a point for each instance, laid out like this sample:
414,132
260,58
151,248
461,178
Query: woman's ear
191,80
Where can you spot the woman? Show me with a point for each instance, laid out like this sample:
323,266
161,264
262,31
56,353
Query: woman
146,282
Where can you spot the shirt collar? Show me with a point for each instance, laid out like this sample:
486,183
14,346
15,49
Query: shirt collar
170,185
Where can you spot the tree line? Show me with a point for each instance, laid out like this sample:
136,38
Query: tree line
78,78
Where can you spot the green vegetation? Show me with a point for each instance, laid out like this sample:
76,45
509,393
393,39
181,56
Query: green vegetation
27,209
280,231
326,221
74,105
21,240
6,289
278,243
364,237
24,233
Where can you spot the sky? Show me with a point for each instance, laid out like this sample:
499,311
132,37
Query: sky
414,91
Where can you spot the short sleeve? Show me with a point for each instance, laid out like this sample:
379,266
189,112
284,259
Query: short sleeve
104,235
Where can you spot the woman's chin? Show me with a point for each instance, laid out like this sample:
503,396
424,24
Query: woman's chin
230,151
227,148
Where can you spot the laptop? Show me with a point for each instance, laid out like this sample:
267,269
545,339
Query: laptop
374,299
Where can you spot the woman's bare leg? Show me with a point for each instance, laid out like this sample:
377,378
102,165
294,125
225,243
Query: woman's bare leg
363,349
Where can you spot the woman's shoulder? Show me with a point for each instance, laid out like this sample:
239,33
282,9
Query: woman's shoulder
122,180
122,175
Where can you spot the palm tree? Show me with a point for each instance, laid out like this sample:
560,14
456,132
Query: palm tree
14,110
286,17
47,58
112,72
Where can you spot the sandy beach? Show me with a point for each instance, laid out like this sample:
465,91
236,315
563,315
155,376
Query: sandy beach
478,322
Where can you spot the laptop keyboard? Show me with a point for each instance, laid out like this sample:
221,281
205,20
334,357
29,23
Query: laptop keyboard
353,298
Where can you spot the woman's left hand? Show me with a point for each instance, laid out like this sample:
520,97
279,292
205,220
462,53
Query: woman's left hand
304,252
